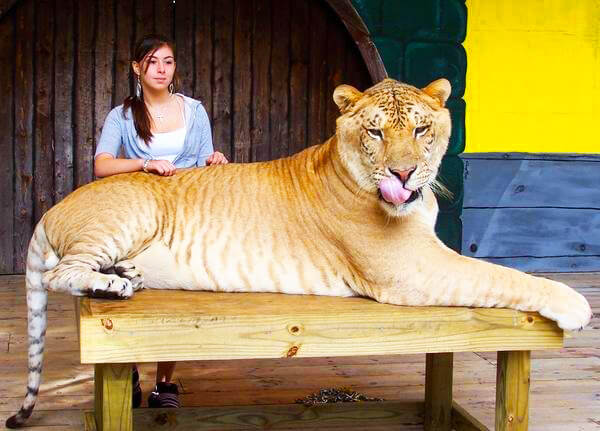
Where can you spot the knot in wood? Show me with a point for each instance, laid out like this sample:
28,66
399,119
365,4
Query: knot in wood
292,352
295,329
107,323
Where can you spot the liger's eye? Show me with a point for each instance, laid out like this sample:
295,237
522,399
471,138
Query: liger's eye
375,133
420,131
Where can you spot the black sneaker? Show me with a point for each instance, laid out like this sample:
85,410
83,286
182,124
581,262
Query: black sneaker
164,395
136,393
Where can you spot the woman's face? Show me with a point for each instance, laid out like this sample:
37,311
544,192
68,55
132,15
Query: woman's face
156,70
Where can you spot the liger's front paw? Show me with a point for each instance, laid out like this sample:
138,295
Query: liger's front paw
127,269
567,307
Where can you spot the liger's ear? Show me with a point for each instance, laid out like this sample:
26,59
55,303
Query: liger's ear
439,89
345,96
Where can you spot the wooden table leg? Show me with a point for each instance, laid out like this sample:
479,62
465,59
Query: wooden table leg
112,403
438,392
512,391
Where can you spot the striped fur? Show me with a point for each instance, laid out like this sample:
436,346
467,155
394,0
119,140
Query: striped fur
313,223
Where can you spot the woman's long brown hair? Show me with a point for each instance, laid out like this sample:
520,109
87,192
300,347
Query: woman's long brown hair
144,49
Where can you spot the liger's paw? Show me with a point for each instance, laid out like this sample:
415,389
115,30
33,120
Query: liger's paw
111,286
567,307
127,269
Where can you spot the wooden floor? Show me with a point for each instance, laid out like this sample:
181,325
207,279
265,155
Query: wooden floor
565,387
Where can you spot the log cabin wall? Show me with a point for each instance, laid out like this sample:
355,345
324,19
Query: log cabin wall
265,71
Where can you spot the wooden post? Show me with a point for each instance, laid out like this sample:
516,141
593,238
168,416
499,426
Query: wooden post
112,401
512,390
438,392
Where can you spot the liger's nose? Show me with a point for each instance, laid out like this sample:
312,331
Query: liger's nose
404,175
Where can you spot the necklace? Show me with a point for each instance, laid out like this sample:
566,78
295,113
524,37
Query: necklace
159,113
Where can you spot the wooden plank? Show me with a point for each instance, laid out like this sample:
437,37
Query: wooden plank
280,80
89,421
318,97
184,37
64,62
462,420
204,55
261,61
222,92
564,183
124,47
336,47
7,168
44,133
163,17
242,80
84,95
512,390
531,232
23,145
299,77
144,18
103,65
349,416
293,326
112,397
438,392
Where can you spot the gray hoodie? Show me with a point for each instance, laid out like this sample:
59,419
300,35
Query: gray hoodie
119,132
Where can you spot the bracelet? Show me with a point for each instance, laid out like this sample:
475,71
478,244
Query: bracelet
145,165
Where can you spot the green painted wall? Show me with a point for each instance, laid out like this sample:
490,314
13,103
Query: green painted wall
420,41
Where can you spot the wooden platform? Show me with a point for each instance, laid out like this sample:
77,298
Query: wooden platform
565,383
213,325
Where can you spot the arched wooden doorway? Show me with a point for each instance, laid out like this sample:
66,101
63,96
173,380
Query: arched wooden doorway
264,69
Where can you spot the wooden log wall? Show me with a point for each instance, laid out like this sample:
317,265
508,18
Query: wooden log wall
265,71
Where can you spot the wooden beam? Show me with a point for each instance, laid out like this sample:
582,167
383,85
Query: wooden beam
263,325
112,398
438,392
512,391
359,32
340,416
462,420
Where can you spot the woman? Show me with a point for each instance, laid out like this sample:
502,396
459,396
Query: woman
158,131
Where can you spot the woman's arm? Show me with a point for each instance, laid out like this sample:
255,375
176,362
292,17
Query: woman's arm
105,165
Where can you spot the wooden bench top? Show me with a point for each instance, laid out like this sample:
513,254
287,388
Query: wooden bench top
159,325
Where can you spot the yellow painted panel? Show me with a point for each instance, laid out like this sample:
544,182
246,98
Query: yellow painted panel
533,76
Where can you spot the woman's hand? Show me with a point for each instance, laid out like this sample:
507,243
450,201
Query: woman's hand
161,167
216,158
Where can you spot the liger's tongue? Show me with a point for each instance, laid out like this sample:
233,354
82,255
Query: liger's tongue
393,191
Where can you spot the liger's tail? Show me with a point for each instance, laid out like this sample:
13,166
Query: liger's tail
40,258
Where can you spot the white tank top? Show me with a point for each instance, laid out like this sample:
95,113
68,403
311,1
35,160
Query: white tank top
167,145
